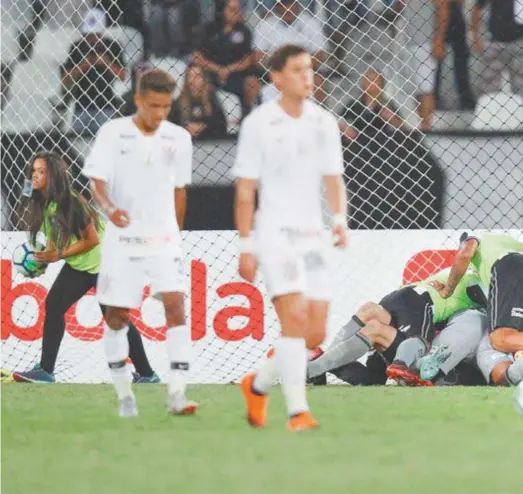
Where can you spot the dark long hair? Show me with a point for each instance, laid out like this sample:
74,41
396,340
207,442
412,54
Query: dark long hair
73,212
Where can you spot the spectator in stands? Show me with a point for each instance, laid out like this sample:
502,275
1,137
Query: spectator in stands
129,106
456,37
198,108
425,28
174,26
93,65
504,50
227,55
291,24
393,180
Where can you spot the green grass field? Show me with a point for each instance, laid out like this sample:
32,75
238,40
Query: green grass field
67,439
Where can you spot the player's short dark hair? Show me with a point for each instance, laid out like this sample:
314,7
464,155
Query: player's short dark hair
280,57
156,81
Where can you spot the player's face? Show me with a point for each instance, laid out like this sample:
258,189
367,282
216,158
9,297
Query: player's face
296,78
232,11
39,174
153,107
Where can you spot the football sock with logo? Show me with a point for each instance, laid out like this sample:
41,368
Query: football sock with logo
116,348
291,361
411,350
179,349
137,352
515,372
337,355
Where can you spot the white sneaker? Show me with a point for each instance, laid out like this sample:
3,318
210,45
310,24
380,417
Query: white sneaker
127,407
178,404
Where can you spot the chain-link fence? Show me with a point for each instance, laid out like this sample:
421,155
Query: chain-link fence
428,97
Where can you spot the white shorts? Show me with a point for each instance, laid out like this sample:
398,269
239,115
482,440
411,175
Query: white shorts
122,279
487,358
305,269
424,67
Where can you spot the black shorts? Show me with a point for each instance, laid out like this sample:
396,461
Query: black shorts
411,312
505,298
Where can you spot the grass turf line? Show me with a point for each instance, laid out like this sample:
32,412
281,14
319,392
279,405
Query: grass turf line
67,439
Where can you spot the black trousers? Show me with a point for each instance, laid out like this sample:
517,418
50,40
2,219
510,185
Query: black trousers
69,286
457,38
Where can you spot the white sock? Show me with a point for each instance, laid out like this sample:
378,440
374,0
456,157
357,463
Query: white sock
291,360
116,347
179,346
266,375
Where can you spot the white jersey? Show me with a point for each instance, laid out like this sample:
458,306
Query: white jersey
141,173
289,157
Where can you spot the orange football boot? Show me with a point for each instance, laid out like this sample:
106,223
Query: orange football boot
402,374
256,403
301,422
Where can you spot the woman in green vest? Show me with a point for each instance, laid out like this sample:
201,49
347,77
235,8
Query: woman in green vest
73,230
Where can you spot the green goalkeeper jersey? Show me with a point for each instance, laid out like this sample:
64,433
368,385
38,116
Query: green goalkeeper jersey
492,246
444,308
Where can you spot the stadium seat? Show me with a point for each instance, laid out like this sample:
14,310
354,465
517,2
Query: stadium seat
52,45
233,110
35,78
131,41
498,112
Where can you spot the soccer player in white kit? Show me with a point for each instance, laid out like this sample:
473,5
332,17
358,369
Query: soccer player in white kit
289,149
139,167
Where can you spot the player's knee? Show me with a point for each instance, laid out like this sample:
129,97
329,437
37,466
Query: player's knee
373,330
174,311
116,318
368,311
497,339
497,375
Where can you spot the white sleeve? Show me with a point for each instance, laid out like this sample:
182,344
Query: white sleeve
99,163
184,163
248,153
333,149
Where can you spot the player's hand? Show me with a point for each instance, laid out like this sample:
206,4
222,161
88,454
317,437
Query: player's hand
247,268
438,48
440,288
223,74
47,256
120,218
339,234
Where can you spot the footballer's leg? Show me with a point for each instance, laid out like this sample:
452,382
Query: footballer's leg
119,287
291,358
492,363
116,345
505,304
458,341
168,283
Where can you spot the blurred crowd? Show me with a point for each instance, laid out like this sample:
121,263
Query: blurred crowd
220,51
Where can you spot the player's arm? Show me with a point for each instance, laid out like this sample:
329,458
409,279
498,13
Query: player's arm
335,190
116,215
98,168
464,256
246,170
183,178
180,205
440,33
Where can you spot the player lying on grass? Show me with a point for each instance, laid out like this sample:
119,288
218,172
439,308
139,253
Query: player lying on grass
139,167
413,310
289,149
73,231
498,260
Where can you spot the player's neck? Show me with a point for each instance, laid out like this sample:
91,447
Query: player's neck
143,127
292,106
